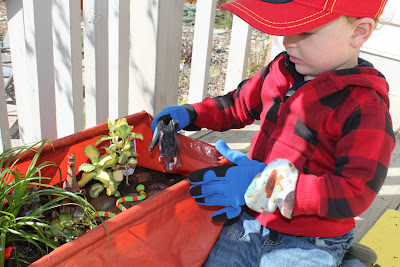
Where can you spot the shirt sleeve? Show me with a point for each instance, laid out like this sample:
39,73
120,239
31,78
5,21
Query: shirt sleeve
234,110
362,159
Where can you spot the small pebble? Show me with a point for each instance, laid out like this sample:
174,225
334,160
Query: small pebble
103,203
157,186
142,177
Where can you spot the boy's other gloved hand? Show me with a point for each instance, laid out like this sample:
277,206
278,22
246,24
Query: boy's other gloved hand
225,185
177,113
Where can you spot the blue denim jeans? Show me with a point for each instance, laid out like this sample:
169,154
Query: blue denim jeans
245,242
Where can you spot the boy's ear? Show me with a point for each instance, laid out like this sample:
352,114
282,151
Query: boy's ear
363,28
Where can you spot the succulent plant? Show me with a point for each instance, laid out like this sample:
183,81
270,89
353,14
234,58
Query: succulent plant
107,168
65,228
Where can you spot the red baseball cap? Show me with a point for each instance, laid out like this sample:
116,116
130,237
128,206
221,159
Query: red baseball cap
288,17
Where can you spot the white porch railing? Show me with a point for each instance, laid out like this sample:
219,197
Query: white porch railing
131,61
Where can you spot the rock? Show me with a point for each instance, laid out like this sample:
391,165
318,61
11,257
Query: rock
103,203
152,193
114,210
142,177
157,186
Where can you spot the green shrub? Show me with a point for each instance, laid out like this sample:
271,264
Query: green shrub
189,14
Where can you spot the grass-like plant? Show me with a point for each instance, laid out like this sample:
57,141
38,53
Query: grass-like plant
19,190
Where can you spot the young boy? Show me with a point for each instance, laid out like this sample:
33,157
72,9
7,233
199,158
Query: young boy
325,139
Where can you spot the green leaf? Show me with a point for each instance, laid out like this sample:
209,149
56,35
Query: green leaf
86,177
103,159
91,152
95,190
86,167
101,139
132,162
124,131
112,161
103,177
111,123
137,136
122,159
118,176
112,187
122,122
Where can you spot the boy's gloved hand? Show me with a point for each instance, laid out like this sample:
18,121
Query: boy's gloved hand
177,113
225,185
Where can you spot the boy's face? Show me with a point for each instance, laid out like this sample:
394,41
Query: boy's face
323,49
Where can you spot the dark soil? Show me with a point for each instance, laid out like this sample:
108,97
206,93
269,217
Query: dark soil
153,181
24,253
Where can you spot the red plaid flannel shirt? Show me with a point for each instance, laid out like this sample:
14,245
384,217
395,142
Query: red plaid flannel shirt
336,129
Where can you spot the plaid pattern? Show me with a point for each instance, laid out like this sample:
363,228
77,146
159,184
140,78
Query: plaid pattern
336,129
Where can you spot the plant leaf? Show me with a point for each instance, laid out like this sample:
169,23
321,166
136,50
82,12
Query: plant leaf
122,159
101,139
137,136
103,159
95,190
86,167
124,131
91,152
122,122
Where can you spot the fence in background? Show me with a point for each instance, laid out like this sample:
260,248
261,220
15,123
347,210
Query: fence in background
131,61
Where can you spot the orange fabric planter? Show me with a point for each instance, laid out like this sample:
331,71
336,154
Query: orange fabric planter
170,229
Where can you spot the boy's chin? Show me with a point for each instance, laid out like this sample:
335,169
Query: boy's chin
308,75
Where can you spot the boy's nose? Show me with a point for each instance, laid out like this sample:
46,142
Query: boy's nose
290,41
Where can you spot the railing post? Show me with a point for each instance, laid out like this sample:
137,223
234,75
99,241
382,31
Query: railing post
95,21
239,49
68,68
156,30
33,68
4,125
203,33
118,60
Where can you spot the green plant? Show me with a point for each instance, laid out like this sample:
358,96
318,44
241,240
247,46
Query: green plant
19,190
119,155
223,19
189,14
69,226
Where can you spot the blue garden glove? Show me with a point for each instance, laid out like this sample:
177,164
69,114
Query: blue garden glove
177,113
225,185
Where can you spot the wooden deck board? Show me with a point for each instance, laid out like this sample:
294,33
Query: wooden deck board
238,139
388,197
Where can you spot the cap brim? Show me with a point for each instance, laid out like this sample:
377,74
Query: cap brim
279,19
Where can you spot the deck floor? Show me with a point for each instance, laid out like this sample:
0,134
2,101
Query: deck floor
389,195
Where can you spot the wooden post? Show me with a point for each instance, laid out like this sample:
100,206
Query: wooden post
202,41
4,125
95,21
238,53
68,70
118,60
156,29
31,46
